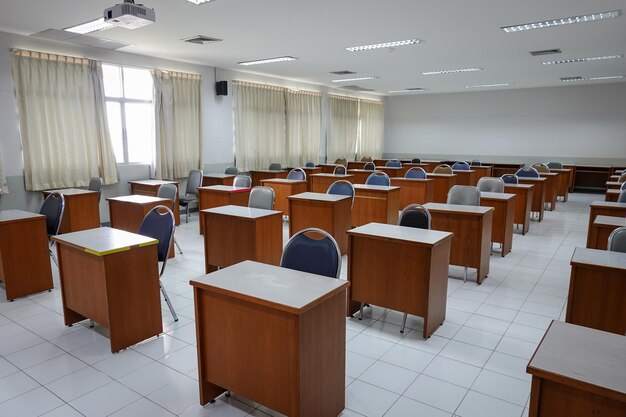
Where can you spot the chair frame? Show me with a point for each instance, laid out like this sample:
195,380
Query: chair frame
343,182
263,187
193,192
166,186
322,232
300,170
242,176
612,236
505,183
415,169
51,242
443,166
340,167
378,174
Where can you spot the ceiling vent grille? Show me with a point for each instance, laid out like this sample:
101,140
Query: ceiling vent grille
545,52
201,40
356,88
572,79
344,72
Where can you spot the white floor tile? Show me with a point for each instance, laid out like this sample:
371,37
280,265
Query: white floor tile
390,377
158,347
508,365
150,378
222,407
33,355
55,368
6,368
63,411
436,393
105,400
405,407
78,383
15,384
33,403
357,364
122,363
503,387
369,400
479,405
452,371
463,352
183,360
178,396
373,347
516,347
477,337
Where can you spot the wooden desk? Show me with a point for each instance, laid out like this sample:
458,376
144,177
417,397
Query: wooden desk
499,169
414,190
597,290
221,195
601,229
392,171
360,175
614,177
329,212
82,209
503,214
430,165
309,171
273,335
591,177
121,290
552,187
471,225
217,179
375,203
408,166
151,188
565,179
603,208
258,175
233,234
523,203
539,194
283,188
612,195
329,168
577,371
401,268
356,164
24,259
321,182
464,177
441,185
613,185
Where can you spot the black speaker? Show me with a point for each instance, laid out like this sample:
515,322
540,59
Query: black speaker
221,88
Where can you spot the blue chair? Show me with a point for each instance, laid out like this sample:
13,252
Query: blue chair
378,178
527,172
159,224
369,166
416,161
415,172
393,163
555,165
339,170
308,254
53,208
622,196
310,164
461,166
297,174
510,179
623,186
342,187
617,240
475,163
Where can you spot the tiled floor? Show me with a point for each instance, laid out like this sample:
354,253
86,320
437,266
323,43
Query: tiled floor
474,365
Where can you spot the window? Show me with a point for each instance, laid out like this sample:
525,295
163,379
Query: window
130,112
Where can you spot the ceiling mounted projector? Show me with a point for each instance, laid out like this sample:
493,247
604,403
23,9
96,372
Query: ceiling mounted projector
129,15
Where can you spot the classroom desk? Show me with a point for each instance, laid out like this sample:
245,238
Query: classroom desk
578,372
375,203
321,182
552,187
601,229
503,214
441,185
414,190
391,171
471,225
309,171
82,209
614,177
499,169
565,179
258,175
329,212
612,195
329,168
24,258
523,203
481,171
591,177
597,290
360,175
401,268
614,185
356,164
121,290
233,234
283,188
151,188
539,194
217,179
603,208
408,166
464,177
221,195
430,164
273,335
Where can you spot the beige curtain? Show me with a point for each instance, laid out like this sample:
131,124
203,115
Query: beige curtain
304,126
259,112
178,127
371,118
343,126
63,124
4,188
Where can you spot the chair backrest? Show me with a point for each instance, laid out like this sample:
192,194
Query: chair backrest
622,196
415,215
617,240
242,181
193,182
274,166
168,191
159,224
623,186
416,161
261,198
306,253
510,179
622,178
443,169
541,167
341,161
342,187
232,171
393,163
53,208
461,166
491,184
465,195
297,174
95,184
415,172
310,164
555,165
378,178
369,166
528,172
366,159
475,163
339,170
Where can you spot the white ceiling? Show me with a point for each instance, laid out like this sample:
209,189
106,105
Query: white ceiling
456,34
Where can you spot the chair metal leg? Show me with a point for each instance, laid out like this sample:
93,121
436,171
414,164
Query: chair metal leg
361,311
54,258
167,300
187,215
403,322
178,246
465,278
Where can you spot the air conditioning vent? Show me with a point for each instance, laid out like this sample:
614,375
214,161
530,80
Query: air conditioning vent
201,40
344,72
415,89
356,88
545,52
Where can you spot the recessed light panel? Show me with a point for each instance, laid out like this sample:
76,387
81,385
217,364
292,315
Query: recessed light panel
604,77
408,90
562,21
489,85
199,1
347,80
89,27
268,60
574,60
393,44
451,71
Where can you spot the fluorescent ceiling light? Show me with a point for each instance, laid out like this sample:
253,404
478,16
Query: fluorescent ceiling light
347,80
89,27
573,60
605,77
392,44
407,90
451,71
562,21
199,1
489,85
268,60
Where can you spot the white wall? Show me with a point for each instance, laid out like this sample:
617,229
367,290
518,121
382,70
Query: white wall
570,123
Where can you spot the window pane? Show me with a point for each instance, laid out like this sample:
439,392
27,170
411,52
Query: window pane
137,84
112,81
140,131
114,115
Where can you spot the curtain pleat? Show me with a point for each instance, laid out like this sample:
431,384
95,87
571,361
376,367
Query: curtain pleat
4,188
304,127
371,115
343,127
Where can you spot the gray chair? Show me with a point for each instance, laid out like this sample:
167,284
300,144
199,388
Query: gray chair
274,166
53,208
617,240
242,181
527,172
297,174
443,169
475,163
95,184
416,172
369,166
393,163
622,178
194,181
623,186
491,184
310,164
170,192
555,165
464,195
622,196
541,168
339,170
231,171
378,178
261,198
510,179
304,252
461,166
342,187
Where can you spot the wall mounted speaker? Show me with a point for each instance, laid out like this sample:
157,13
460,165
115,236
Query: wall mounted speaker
221,88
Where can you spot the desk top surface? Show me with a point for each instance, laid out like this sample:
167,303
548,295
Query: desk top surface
283,181
582,355
140,199
458,208
241,211
274,171
608,204
599,258
306,168
526,186
496,196
285,289
614,191
432,174
381,167
463,171
610,221
104,240
400,179
531,179
153,182
407,234
341,176
375,187
225,188
358,170
214,175
548,174
71,191
13,215
319,197
619,184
